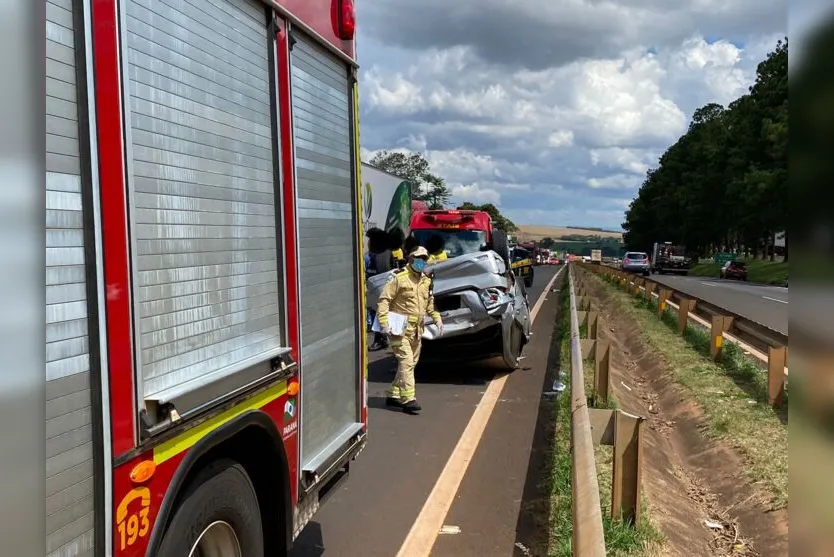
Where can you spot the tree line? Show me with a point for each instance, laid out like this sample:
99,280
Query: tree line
429,187
723,186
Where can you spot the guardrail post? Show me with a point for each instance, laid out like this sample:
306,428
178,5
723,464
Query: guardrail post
589,319
650,288
686,305
720,325
777,357
592,324
628,467
662,299
624,432
602,366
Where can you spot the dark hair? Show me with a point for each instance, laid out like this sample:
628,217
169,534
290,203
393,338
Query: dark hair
377,240
434,244
410,243
395,238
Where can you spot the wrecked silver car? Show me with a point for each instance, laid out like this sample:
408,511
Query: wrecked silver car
482,303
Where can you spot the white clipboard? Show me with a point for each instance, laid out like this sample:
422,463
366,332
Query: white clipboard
396,322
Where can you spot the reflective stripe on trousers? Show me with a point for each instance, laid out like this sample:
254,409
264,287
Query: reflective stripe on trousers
406,350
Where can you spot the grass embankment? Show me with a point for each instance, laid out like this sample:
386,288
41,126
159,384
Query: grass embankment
732,393
621,539
764,272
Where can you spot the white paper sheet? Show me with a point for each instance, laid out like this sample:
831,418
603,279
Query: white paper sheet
396,322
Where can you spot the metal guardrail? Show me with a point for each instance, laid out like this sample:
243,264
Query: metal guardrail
762,343
588,536
591,427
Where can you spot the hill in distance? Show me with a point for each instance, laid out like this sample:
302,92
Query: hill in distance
537,232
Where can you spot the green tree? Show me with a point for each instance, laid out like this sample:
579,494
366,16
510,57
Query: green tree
438,193
498,220
414,168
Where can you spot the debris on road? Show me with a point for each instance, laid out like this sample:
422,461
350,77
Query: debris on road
447,529
521,547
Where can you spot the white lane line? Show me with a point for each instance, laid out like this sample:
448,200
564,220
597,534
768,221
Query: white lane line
420,539
775,299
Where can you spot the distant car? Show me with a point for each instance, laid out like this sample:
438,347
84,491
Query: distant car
553,261
636,262
734,269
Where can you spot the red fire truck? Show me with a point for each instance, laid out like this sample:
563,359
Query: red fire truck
205,374
461,231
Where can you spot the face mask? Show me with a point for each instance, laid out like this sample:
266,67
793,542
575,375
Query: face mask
418,265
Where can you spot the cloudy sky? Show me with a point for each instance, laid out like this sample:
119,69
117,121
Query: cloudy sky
551,109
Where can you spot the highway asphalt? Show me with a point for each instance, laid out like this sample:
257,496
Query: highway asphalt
766,305
372,513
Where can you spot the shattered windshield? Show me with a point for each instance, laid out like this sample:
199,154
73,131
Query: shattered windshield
455,242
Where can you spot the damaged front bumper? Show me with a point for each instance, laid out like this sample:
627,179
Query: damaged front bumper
465,313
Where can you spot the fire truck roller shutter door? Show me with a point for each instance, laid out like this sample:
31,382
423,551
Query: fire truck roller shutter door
321,94
206,264
69,398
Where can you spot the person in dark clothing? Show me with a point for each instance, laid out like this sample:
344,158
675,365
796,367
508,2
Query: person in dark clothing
381,261
396,237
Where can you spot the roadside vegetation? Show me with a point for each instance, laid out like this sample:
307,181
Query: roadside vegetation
621,539
758,271
732,393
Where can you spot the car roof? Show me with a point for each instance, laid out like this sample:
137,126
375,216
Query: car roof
635,253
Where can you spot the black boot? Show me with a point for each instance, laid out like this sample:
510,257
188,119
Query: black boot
391,401
380,343
412,407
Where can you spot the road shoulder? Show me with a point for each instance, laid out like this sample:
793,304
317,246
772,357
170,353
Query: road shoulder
508,462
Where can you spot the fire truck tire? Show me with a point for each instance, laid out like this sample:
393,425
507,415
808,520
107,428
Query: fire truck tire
219,513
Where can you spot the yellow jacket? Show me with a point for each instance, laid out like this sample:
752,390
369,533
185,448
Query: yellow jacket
398,254
409,294
439,256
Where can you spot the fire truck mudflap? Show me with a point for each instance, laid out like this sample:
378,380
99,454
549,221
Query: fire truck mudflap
205,333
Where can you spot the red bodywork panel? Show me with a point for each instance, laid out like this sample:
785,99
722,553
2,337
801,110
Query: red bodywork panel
452,220
320,16
136,506
114,223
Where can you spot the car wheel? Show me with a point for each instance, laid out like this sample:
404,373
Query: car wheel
514,352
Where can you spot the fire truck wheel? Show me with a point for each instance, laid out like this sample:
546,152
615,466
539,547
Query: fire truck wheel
218,516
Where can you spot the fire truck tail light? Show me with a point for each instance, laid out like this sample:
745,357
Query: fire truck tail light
143,472
345,19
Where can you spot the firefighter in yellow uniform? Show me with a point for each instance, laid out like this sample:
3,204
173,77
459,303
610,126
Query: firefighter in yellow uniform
439,256
435,248
409,293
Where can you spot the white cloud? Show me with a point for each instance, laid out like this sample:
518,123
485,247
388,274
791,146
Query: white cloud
632,160
476,194
561,138
614,181
572,109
